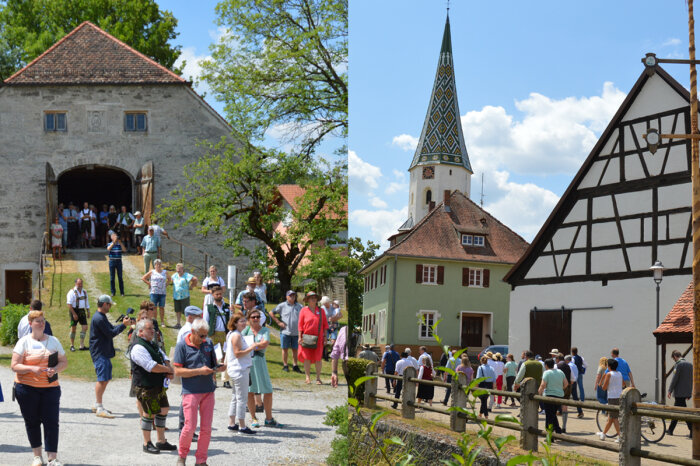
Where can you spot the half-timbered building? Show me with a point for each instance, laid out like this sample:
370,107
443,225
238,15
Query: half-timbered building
585,279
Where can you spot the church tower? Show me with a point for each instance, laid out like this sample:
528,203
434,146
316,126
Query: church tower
441,161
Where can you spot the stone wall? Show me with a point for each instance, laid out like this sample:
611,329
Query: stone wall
177,120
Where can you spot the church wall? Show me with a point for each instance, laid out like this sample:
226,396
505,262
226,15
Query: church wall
446,177
95,134
628,325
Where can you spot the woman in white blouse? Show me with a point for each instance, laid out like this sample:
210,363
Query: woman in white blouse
212,280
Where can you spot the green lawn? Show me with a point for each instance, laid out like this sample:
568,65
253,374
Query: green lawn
80,363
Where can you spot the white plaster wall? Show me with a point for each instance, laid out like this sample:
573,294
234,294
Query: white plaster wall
628,325
459,179
656,96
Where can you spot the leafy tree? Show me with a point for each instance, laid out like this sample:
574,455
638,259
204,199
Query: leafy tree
359,256
283,64
29,27
232,191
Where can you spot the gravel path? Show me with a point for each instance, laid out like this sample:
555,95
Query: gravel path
88,440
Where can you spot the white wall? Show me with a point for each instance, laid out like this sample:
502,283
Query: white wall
595,332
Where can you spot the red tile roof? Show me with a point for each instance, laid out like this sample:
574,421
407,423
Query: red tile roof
89,55
290,193
680,317
438,235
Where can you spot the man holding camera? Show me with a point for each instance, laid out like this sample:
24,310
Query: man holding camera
150,367
102,332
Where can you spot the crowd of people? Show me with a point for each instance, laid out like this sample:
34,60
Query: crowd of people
218,338
558,376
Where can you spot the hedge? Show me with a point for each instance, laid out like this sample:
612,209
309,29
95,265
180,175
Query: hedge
357,368
11,315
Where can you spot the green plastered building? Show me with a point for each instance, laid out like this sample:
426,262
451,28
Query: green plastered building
448,259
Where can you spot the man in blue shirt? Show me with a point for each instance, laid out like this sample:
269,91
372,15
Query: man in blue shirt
389,360
149,246
623,368
102,332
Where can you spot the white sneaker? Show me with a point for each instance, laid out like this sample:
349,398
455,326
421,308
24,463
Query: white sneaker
601,436
38,461
54,463
105,414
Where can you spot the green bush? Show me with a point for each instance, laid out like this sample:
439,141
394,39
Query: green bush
339,417
11,315
357,368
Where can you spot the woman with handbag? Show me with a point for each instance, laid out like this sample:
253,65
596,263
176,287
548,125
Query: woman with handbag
312,328
36,360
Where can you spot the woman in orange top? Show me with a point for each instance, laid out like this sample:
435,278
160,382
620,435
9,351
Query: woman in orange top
36,360
309,325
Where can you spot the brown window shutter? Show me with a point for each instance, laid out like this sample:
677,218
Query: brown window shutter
485,279
419,273
441,275
465,276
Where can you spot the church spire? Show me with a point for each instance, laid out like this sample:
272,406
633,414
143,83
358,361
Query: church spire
442,141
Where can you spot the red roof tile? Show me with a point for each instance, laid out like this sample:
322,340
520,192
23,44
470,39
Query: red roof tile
89,55
438,235
290,193
680,317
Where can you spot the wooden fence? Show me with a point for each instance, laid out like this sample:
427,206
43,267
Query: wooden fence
631,411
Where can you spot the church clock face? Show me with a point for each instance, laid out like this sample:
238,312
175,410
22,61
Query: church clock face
428,173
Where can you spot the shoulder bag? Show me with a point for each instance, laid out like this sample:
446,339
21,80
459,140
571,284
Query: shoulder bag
311,341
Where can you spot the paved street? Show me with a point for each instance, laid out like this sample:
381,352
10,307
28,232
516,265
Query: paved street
88,440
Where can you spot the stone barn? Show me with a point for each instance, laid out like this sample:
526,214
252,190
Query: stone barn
92,119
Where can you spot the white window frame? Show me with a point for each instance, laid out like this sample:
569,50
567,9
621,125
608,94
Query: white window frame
473,274
428,267
381,325
479,241
423,323
467,240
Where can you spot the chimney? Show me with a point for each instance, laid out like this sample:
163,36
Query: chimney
431,206
446,194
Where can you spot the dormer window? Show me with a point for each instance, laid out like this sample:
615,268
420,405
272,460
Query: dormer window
472,240
467,240
478,240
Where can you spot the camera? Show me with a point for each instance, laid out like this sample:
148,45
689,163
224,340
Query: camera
129,311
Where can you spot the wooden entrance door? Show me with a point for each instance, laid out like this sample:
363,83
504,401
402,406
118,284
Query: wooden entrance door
472,331
18,286
548,330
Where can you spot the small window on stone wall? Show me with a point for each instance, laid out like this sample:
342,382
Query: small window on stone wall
135,122
55,121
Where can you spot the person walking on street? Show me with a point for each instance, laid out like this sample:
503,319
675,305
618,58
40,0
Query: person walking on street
411,359
339,351
389,360
288,311
238,363
313,323
574,382
581,366
157,280
36,360
116,248
489,375
78,313
451,363
401,365
150,367
623,368
217,316
182,284
600,394
511,370
530,368
368,354
195,361
613,383
102,334
554,383
681,386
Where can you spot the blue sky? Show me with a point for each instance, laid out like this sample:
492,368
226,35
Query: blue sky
537,83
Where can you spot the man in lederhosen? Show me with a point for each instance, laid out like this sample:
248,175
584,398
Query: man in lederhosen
79,312
85,225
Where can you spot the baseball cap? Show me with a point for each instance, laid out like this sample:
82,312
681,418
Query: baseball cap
105,298
291,292
387,347
138,212
193,311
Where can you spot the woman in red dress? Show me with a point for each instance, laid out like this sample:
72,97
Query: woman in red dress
309,325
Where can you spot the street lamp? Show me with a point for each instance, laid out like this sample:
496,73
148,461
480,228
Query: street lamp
658,270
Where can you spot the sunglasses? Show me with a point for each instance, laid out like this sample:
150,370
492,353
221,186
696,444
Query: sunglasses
255,318
203,335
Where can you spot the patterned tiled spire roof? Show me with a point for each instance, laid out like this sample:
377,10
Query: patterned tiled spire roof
441,140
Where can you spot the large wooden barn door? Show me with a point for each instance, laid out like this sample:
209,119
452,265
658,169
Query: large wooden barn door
550,329
51,198
145,191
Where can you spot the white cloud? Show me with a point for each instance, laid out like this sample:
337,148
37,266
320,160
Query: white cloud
381,223
378,203
398,185
671,42
193,68
405,142
362,175
217,34
553,137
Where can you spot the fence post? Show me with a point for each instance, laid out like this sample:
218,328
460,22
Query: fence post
408,394
529,410
206,263
630,427
182,260
371,386
459,398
